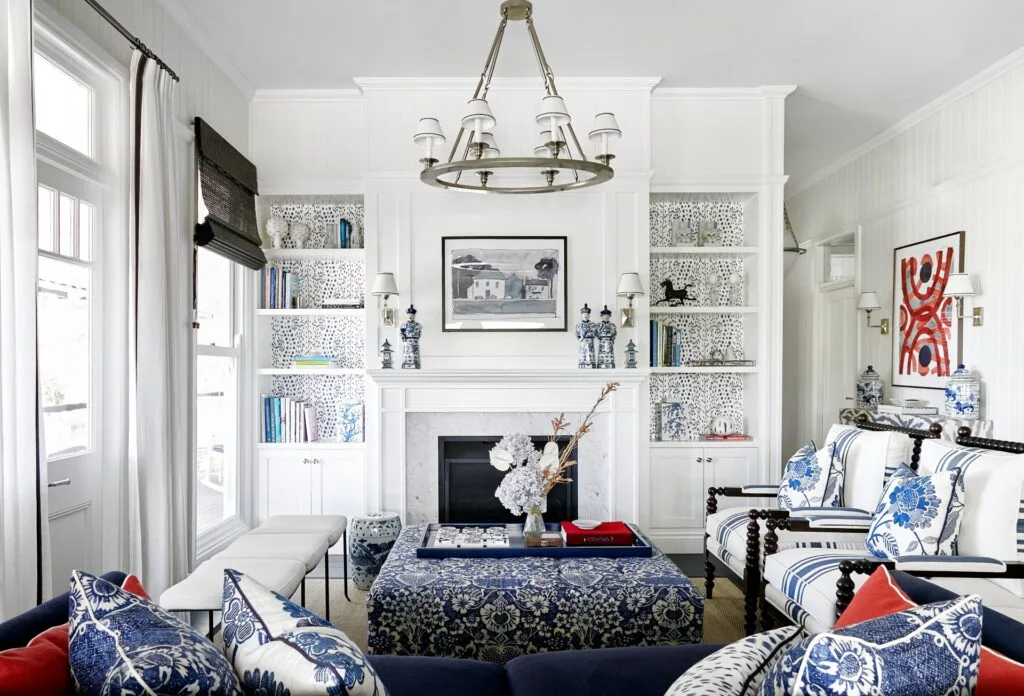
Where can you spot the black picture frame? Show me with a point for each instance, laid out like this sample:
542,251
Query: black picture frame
511,258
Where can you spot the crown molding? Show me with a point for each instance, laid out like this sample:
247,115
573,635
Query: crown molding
506,84
198,33
719,184
964,89
717,93
307,96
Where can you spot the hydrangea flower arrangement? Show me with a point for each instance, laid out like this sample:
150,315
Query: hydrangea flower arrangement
530,474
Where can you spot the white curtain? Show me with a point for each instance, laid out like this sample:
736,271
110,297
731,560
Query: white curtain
24,542
160,350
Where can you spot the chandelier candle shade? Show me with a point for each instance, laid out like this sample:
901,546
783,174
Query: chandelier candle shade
558,162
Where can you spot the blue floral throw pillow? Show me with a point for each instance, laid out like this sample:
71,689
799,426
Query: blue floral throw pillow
278,647
914,517
933,650
812,479
122,644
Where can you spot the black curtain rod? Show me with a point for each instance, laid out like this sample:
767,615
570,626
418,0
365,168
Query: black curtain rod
132,39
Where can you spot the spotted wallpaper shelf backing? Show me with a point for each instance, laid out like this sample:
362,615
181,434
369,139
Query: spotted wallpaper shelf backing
727,214
326,393
341,337
321,279
704,396
320,217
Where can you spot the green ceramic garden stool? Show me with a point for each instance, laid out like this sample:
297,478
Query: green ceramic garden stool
370,538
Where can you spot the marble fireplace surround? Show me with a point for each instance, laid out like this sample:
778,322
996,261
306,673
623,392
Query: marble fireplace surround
417,407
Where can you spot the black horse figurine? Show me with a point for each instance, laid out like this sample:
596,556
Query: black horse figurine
675,297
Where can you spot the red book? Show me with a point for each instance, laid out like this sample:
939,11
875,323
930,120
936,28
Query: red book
605,534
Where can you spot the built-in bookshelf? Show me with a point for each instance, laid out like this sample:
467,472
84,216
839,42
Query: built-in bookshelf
704,350
311,324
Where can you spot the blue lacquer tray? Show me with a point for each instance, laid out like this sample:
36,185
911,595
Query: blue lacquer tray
641,548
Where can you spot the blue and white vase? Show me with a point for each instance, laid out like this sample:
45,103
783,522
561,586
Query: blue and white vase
869,389
370,538
963,395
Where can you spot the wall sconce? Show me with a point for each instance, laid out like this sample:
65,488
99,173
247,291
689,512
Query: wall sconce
630,286
868,302
384,286
958,287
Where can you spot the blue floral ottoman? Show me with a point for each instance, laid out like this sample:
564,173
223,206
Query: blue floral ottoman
498,609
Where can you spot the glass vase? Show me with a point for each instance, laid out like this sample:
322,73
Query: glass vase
534,524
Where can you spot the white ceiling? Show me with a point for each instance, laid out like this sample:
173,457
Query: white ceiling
860,65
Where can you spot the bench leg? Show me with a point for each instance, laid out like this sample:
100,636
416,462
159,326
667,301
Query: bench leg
344,537
303,591
211,633
327,584
709,571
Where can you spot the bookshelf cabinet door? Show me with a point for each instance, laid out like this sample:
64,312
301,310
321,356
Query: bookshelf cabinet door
677,489
733,466
341,486
286,483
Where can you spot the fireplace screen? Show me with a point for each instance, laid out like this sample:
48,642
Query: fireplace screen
467,481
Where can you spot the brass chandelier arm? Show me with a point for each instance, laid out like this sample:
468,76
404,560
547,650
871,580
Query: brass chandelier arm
548,75
484,83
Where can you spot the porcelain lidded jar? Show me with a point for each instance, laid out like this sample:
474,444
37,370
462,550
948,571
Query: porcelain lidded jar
963,395
869,389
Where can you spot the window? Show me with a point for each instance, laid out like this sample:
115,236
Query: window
217,385
70,207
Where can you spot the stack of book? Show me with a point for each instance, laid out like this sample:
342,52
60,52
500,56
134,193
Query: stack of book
288,420
310,362
604,534
908,410
279,289
344,237
666,345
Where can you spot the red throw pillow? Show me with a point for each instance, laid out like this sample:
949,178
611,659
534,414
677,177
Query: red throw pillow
881,596
42,667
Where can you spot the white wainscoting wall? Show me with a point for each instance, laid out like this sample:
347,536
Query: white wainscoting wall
958,164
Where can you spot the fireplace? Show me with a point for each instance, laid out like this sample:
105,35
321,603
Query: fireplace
467,481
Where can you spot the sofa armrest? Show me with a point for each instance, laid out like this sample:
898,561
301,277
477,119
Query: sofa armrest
941,567
839,523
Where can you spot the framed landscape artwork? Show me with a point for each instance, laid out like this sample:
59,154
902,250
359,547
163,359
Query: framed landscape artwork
504,283
927,342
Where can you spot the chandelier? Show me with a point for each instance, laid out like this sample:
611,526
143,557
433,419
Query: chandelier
558,162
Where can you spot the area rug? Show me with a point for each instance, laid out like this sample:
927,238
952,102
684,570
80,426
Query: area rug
723,615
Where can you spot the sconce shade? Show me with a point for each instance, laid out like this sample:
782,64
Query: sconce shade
868,302
429,132
629,284
384,284
959,285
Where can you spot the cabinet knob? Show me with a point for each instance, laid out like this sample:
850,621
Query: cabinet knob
708,460
700,459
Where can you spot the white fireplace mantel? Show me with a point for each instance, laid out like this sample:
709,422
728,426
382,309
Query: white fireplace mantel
495,401
398,377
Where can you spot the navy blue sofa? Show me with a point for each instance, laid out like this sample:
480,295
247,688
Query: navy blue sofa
610,672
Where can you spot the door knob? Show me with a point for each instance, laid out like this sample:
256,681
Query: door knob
58,484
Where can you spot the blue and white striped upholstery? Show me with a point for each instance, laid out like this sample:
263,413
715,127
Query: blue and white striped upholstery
727,539
802,583
866,456
989,491
1020,532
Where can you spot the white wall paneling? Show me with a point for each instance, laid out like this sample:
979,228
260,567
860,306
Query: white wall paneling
359,141
954,165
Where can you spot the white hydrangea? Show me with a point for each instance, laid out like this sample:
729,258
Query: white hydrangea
522,487
518,446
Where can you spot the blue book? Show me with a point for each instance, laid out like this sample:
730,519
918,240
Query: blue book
267,436
273,287
277,419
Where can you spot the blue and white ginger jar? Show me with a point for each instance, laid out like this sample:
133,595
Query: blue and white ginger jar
963,395
869,389
370,538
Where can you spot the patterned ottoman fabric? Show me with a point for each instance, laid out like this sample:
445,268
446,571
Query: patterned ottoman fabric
498,609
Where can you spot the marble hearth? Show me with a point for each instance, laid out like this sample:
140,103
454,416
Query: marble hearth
418,407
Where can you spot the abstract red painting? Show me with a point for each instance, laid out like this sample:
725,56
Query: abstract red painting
926,345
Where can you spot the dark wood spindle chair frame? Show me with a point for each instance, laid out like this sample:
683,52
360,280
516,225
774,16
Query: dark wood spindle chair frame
751,583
